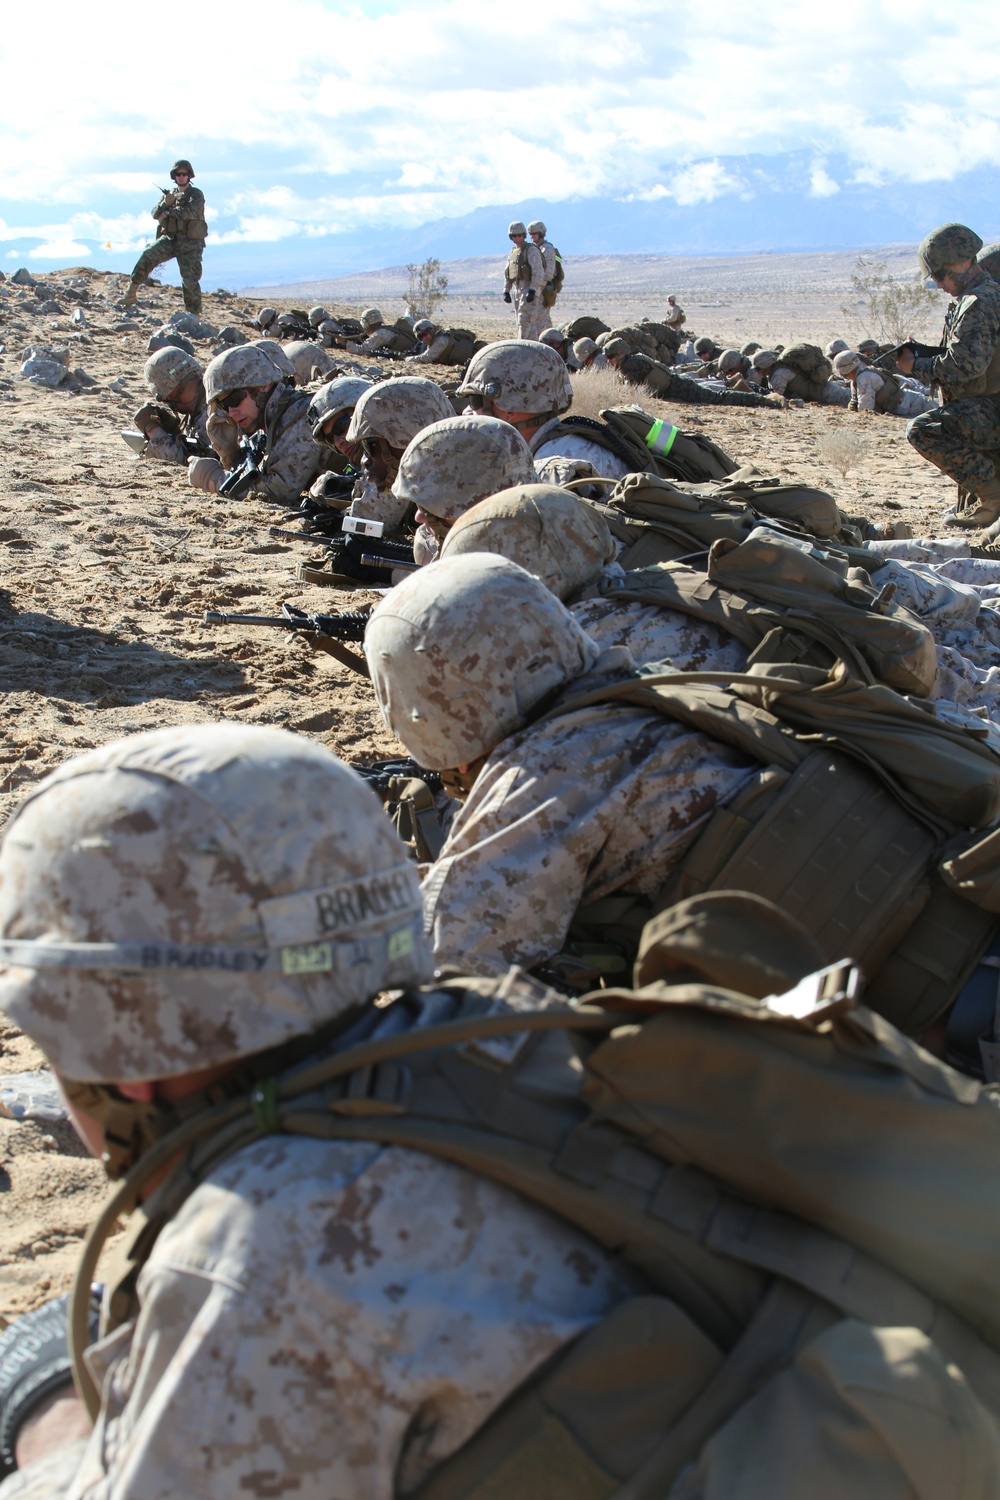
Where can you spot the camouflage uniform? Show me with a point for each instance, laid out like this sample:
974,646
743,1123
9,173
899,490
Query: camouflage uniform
291,458
169,447
180,234
665,383
573,447
524,272
318,1318
961,437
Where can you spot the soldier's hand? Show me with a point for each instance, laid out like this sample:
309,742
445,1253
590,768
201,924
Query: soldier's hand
205,474
507,297
529,295
151,415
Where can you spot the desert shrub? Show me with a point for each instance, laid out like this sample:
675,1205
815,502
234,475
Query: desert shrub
426,290
844,450
595,389
888,309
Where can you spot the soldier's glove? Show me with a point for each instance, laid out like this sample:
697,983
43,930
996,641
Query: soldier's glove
529,295
153,415
507,297
205,474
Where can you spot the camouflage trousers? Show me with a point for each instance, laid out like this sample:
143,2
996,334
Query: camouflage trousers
961,438
187,252
532,317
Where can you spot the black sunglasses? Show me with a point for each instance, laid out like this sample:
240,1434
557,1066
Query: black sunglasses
234,398
337,426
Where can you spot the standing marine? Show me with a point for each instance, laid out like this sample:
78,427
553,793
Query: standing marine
524,282
180,236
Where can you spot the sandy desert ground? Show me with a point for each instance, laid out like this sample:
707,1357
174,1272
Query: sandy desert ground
109,563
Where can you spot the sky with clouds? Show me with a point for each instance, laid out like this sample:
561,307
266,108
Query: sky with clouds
315,119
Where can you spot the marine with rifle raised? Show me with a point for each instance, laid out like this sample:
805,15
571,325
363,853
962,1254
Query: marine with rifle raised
181,229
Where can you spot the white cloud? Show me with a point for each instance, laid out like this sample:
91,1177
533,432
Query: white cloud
821,184
309,141
60,249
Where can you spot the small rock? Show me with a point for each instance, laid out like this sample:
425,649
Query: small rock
43,372
171,340
80,379
31,1096
192,325
23,277
79,317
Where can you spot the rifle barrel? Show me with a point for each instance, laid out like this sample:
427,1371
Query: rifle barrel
312,537
370,560
281,622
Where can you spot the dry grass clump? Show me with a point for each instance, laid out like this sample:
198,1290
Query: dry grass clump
595,390
844,450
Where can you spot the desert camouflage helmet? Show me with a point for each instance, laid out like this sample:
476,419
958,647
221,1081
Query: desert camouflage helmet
730,360
704,345
276,355
750,348
519,375
168,369
547,531
947,245
461,652
835,347
617,348
516,227
396,410
371,318
764,359
459,460
248,365
584,349
846,361
339,395
181,166
164,905
869,348
537,227
553,337
317,315
266,317
422,326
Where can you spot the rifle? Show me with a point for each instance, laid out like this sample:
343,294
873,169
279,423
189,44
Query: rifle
327,632
239,481
919,351
407,793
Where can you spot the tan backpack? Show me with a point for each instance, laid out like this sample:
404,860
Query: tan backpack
725,1148
787,602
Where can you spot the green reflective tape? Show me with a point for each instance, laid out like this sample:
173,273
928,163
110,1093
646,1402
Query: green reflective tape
660,437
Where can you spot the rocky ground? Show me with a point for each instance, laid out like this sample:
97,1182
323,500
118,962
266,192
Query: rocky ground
109,563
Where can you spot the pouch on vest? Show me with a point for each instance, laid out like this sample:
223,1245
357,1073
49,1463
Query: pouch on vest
813,509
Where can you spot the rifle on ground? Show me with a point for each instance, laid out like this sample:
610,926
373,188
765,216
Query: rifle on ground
326,632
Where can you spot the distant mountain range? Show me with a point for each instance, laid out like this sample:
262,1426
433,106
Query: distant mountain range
758,203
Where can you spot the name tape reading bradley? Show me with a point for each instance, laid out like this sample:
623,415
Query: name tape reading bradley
299,930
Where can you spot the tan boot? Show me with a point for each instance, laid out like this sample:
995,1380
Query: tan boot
982,510
132,293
